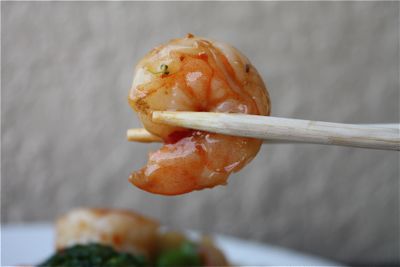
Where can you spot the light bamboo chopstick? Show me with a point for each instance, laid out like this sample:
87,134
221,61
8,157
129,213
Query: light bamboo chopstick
143,136
283,129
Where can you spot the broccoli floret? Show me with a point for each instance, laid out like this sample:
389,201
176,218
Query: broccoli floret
93,255
184,256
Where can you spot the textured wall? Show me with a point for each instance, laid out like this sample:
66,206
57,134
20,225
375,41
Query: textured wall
66,71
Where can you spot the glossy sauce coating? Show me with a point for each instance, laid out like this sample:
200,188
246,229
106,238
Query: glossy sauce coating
195,74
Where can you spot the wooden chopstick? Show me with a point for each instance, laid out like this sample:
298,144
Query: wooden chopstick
285,130
143,136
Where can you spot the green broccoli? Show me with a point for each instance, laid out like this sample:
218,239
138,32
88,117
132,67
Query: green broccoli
185,255
93,255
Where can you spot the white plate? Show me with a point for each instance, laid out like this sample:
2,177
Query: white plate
32,243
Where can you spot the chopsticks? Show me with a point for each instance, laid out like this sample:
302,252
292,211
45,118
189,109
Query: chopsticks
141,135
281,130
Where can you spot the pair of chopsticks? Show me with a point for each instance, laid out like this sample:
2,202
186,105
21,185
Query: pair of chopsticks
278,130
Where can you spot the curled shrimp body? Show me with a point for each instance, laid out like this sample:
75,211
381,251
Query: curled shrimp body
123,230
195,74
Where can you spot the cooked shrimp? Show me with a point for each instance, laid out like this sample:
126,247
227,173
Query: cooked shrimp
125,231
195,74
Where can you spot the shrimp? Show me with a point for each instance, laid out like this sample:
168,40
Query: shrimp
195,74
125,231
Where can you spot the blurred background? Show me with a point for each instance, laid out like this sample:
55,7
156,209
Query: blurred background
66,71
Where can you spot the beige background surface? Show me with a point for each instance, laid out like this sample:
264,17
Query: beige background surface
66,71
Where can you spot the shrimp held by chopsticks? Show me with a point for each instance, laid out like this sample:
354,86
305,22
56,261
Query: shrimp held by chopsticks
195,74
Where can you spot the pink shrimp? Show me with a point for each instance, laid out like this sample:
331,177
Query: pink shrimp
124,230
195,74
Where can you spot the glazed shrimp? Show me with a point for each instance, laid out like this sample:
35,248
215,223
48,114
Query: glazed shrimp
195,74
123,230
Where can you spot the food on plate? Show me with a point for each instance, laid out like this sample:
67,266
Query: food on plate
123,230
119,238
195,74
93,255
